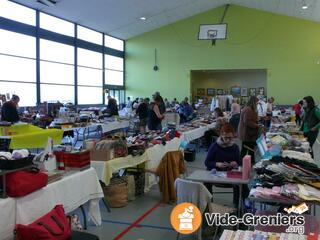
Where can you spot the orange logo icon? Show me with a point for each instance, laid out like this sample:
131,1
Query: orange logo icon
186,218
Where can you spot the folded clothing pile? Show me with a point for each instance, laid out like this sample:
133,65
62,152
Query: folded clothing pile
296,192
294,173
16,154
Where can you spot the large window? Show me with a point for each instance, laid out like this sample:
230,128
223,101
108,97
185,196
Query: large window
17,12
56,25
89,58
18,66
26,92
56,71
59,64
56,52
114,43
17,44
89,35
90,77
113,70
52,93
17,69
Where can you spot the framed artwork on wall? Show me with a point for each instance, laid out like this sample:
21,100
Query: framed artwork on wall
211,91
219,91
244,92
252,92
244,100
261,91
235,90
201,91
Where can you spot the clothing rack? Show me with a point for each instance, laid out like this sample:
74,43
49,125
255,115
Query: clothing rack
222,101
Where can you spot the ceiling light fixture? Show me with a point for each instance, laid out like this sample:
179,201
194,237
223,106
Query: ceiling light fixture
143,18
304,5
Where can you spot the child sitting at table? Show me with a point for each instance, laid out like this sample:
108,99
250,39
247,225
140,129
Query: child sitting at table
224,155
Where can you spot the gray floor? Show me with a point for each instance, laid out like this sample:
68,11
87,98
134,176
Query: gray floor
156,225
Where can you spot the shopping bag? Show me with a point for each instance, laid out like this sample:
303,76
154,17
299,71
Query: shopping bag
52,226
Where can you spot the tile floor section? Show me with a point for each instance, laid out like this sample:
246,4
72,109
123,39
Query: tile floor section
146,219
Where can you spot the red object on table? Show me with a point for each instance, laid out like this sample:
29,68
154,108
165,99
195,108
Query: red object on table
22,183
234,174
74,160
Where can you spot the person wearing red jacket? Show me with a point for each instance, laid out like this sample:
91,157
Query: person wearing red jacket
297,109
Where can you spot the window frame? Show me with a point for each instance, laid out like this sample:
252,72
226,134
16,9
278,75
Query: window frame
39,33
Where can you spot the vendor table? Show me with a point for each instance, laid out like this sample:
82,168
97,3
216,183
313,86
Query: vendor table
73,190
152,157
29,136
196,133
205,176
284,202
311,224
8,218
112,126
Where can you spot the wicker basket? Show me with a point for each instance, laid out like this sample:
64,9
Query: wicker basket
116,193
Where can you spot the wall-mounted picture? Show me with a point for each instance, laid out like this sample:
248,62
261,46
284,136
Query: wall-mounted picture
201,91
227,91
252,92
244,100
235,90
219,91
244,92
211,91
261,91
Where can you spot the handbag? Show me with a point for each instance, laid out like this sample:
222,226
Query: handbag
52,226
21,183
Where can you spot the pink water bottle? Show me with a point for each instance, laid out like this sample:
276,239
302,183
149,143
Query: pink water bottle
246,167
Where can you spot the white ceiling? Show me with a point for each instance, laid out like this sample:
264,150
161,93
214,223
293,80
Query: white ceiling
121,18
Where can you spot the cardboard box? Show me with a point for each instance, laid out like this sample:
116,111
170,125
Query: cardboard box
101,155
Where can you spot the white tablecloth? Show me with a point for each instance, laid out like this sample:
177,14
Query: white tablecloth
72,191
155,154
196,133
7,218
152,157
111,126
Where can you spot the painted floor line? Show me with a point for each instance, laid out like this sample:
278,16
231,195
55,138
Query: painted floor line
140,225
135,223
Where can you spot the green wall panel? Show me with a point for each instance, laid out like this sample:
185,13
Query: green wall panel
287,47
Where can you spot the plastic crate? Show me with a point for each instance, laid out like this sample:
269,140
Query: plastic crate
6,164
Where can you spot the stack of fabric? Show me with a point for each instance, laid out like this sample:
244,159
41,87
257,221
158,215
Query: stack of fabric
293,175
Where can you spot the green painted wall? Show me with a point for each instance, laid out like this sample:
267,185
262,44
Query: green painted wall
287,47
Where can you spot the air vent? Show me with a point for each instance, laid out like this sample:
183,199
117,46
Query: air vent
48,3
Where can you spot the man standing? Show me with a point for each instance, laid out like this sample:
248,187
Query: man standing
9,110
